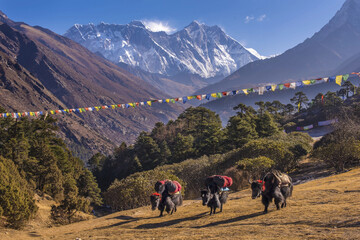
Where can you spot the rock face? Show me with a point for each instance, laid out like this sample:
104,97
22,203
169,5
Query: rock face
53,72
196,49
318,56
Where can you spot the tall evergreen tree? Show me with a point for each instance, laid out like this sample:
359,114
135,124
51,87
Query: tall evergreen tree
300,100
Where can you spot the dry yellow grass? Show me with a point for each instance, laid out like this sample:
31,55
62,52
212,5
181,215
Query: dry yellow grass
326,208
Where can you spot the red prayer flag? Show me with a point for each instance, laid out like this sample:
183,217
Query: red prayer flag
198,97
287,85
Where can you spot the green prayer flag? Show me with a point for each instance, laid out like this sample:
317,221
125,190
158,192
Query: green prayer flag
345,77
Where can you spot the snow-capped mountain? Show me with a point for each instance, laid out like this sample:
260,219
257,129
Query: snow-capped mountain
197,49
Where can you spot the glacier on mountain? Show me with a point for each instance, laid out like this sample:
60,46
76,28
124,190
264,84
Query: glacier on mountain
197,49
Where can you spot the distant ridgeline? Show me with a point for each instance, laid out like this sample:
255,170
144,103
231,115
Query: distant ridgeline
339,79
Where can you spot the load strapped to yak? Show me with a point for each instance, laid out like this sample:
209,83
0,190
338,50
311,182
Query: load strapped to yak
282,179
171,187
218,183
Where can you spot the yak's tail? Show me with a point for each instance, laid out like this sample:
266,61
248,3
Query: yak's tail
291,186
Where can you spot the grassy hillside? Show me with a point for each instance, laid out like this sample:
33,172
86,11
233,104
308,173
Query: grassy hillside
326,208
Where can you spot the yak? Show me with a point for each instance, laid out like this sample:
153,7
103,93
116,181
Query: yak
213,199
275,185
166,201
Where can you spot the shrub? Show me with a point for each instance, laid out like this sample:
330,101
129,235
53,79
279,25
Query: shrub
277,150
340,155
256,166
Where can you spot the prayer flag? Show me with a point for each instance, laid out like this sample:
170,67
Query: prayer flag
293,85
208,96
287,85
338,79
261,90
149,103
306,82
245,91
273,87
345,77
268,88
281,86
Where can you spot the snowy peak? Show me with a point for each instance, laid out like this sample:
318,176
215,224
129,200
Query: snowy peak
197,49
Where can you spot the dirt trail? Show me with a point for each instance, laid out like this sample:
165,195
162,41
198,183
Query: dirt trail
325,208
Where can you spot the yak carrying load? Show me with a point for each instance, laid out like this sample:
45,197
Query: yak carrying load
167,196
216,193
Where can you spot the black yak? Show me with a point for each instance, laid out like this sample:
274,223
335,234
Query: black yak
166,202
275,185
213,199
167,196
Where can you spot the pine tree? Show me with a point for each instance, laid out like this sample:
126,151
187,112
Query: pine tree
266,126
240,130
300,100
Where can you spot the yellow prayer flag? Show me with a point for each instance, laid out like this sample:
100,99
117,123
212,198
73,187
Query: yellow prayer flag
167,100
306,82
149,103
113,106
214,95
273,87
51,111
338,79
245,91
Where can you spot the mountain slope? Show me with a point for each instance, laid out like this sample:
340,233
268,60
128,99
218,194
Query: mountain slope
79,78
197,49
316,57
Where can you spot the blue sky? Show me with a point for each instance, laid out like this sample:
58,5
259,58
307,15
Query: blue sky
269,26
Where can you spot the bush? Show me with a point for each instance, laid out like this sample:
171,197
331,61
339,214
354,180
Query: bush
256,166
340,155
277,150
135,190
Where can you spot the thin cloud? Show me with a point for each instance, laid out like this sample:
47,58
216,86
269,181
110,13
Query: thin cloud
158,26
249,19
261,18
252,18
